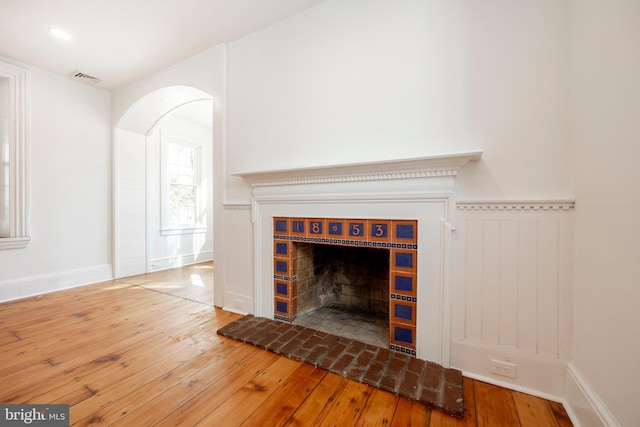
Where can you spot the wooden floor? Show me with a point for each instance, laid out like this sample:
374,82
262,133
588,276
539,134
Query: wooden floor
142,351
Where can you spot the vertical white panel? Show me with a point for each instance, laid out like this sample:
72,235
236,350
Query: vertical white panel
473,285
458,293
547,316
565,294
130,250
238,277
527,284
491,282
508,305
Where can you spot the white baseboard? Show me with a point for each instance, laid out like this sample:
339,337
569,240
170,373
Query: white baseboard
536,375
45,283
179,261
584,406
238,303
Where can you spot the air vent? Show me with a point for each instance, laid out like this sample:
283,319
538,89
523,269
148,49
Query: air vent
77,75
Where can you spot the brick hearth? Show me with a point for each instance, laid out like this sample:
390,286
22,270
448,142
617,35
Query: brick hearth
395,372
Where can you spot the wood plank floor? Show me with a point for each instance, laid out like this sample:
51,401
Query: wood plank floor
143,351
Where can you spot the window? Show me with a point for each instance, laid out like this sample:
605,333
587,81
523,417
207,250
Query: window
181,187
14,205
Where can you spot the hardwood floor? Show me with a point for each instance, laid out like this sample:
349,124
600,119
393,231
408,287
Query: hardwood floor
142,351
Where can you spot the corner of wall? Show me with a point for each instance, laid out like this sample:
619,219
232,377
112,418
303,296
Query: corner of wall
584,406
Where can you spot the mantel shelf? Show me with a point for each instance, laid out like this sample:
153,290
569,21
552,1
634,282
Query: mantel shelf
438,165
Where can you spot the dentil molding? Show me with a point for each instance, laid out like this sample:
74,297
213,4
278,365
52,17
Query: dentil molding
443,165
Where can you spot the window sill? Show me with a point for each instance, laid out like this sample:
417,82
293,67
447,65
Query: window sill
179,231
14,242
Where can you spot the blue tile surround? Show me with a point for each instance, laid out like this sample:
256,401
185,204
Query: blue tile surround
399,237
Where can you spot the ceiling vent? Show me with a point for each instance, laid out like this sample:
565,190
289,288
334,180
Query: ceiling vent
77,75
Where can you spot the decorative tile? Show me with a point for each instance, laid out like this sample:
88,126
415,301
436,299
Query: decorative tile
281,248
357,229
281,267
335,229
399,236
402,260
298,226
316,228
403,283
281,289
379,231
405,231
402,335
403,312
281,226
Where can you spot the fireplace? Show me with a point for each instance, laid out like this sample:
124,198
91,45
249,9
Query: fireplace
398,238
406,207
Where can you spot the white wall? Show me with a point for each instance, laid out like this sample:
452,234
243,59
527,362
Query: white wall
605,130
374,79
70,184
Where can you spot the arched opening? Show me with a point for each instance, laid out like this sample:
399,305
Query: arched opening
163,182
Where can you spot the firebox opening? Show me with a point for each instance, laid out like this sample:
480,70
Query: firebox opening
344,291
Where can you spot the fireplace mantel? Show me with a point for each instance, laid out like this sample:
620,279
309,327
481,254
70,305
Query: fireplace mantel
416,167
420,189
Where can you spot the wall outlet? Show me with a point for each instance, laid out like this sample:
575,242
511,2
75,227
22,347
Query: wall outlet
506,369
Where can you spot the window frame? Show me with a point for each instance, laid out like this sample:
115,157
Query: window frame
166,229
17,75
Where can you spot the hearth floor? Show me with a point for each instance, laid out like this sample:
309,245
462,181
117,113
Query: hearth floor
388,370
348,323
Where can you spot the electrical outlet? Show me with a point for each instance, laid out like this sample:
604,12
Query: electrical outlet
506,369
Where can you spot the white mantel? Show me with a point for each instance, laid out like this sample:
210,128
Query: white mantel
419,189
416,167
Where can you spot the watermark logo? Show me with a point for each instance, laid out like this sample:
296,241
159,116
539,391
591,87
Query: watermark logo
34,415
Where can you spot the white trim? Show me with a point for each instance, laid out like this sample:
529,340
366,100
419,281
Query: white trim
411,168
596,411
177,261
45,283
18,154
516,205
14,242
236,207
180,231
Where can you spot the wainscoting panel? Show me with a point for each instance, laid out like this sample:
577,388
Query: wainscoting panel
512,287
237,256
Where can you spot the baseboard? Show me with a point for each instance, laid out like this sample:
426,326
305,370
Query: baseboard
238,303
179,261
584,406
536,375
24,287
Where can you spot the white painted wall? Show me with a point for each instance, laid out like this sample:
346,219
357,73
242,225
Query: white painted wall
70,177
377,79
606,149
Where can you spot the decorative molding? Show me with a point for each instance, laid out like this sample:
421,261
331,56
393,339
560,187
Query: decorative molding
237,207
18,156
517,205
597,407
355,178
14,242
412,168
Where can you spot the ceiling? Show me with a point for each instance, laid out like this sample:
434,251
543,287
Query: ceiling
120,41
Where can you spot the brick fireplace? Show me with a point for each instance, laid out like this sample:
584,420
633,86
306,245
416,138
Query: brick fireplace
406,207
397,237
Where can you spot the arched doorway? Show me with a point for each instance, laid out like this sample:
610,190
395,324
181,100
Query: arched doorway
142,242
